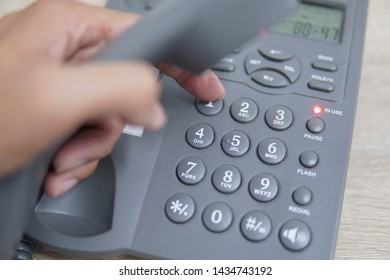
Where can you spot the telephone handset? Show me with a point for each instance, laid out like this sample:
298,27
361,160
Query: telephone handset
191,34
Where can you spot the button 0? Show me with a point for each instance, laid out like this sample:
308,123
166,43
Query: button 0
180,208
295,235
217,217
255,226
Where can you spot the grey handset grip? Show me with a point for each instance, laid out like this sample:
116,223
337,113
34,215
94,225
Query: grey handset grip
18,195
193,34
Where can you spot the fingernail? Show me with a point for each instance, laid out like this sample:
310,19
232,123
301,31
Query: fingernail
158,117
65,186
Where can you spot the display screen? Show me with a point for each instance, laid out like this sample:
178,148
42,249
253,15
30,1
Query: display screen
313,22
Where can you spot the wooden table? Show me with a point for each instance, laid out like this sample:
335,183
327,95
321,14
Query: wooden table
365,222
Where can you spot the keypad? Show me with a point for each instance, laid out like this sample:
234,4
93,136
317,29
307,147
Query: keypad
272,67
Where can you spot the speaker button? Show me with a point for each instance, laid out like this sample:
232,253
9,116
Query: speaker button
295,235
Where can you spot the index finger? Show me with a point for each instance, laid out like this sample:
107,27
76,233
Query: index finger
205,86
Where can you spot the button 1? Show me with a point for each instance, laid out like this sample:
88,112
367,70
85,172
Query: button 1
315,125
191,170
302,196
325,66
223,67
321,86
235,143
244,110
217,217
180,208
279,117
308,159
263,187
272,151
200,136
255,226
295,235
276,53
209,108
226,178
269,78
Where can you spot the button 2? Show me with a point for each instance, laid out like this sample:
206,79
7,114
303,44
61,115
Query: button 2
244,110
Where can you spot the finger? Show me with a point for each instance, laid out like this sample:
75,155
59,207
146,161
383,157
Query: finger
89,144
205,86
58,184
76,95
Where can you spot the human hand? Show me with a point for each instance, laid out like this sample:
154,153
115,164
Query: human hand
47,92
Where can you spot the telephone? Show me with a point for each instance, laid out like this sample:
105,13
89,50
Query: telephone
258,175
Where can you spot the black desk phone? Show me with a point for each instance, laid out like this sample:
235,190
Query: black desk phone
257,175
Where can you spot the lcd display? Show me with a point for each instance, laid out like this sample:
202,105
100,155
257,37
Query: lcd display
313,22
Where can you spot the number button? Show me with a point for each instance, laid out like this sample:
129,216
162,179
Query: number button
191,170
263,187
226,178
217,217
200,136
244,110
271,151
210,108
279,117
235,143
